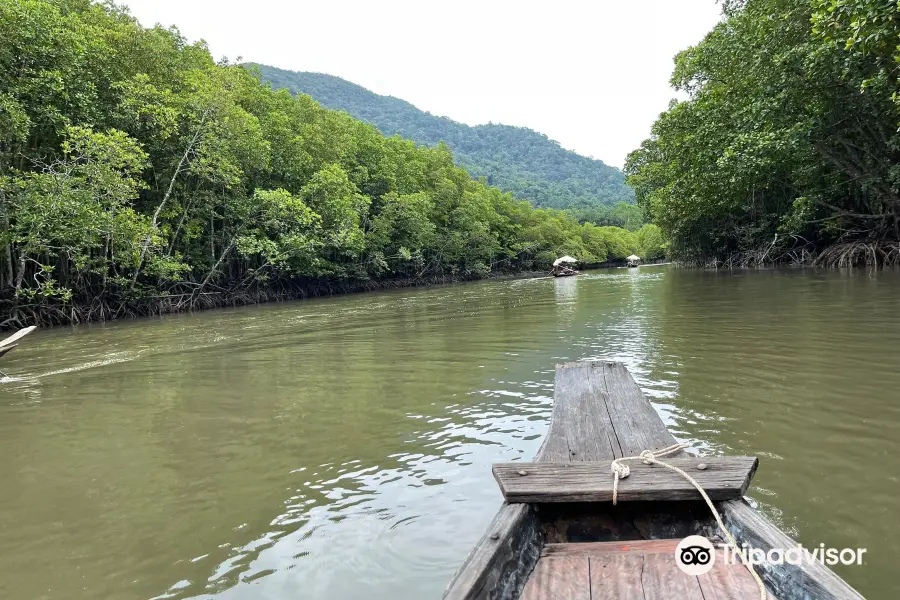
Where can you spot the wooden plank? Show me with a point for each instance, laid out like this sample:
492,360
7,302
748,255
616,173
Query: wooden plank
784,581
595,548
617,577
501,561
580,427
725,478
17,336
561,578
637,425
663,580
729,582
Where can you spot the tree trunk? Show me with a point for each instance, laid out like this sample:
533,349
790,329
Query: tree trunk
21,274
180,225
213,270
178,169
6,246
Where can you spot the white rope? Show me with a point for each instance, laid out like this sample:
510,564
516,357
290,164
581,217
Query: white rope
651,457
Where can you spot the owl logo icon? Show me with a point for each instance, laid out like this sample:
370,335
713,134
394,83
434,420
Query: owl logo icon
695,555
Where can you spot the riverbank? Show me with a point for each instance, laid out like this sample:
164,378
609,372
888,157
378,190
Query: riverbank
621,263
99,309
844,255
112,309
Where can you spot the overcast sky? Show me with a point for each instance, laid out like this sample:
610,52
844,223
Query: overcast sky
592,75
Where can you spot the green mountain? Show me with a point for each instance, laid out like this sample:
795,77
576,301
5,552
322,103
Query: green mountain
516,159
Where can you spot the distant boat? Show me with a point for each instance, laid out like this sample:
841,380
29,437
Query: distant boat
633,260
562,267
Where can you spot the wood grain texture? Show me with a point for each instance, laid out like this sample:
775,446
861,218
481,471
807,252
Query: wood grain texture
725,478
663,580
559,578
617,576
806,581
596,548
599,412
637,425
729,582
580,426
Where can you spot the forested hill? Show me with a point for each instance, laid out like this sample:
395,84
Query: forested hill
516,159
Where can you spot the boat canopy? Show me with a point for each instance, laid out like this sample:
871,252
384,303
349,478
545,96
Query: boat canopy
633,258
564,259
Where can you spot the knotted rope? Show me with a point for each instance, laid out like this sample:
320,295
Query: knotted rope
651,457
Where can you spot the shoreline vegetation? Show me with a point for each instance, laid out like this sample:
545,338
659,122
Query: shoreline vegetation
138,175
46,315
49,315
787,148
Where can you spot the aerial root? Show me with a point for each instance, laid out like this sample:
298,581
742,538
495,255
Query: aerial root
843,255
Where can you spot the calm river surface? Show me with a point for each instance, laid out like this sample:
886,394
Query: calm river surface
341,448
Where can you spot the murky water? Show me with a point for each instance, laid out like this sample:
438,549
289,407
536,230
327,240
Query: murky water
341,448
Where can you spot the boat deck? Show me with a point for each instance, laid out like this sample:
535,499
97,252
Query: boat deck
638,570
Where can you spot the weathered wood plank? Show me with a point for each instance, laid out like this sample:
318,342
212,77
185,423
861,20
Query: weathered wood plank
637,425
17,336
617,577
501,561
580,426
595,548
663,580
806,581
725,478
729,582
560,578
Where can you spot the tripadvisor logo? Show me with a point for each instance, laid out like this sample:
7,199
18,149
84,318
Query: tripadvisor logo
695,555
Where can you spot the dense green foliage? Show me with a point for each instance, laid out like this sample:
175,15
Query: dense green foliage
625,215
134,169
787,148
518,160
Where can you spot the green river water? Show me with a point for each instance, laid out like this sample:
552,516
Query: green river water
341,448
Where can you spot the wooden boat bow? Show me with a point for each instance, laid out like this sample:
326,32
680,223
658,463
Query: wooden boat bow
9,343
558,535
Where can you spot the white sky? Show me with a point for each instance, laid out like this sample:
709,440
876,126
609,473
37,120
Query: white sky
592,74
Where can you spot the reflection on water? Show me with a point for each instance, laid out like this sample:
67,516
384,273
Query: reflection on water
341,448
